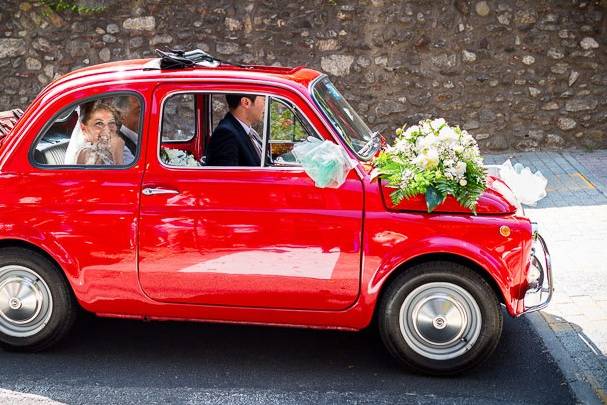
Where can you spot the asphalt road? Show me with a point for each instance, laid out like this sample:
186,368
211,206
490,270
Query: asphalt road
120,361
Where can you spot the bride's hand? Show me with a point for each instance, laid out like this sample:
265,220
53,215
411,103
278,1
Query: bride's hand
117,149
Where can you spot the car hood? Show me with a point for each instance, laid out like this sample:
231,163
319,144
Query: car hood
497,199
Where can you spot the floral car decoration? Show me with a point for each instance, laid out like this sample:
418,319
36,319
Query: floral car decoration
160,234
434,159
177,157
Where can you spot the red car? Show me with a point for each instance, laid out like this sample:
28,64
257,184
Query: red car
152,232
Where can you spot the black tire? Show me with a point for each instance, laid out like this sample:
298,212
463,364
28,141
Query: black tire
451,318
43,312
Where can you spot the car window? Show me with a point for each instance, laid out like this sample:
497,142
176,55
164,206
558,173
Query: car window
179,118
205,144
104,131
287,129
199,129
181,141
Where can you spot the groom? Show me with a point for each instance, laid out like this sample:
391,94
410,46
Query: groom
234,142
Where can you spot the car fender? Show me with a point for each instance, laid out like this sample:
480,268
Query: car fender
403,254
22,234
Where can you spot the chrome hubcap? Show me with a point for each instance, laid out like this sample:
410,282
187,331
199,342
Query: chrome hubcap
440,320
25,301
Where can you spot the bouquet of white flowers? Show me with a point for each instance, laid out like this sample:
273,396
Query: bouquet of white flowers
434,159
177,157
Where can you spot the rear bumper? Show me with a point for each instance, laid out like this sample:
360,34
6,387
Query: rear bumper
539,290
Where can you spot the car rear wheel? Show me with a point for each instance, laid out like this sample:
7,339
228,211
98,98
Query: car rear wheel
440,318
36,305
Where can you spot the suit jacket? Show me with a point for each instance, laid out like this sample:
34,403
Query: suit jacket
230,145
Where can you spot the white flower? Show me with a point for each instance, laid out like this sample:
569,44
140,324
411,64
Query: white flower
410,131
447,135
460,168
437,123
463,182
432,155
426,128
405,178
427,160
426,142
402,145
467,139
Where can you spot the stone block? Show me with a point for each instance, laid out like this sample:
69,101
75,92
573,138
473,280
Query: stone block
140,23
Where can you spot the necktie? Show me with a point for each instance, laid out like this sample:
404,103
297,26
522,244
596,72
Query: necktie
256,140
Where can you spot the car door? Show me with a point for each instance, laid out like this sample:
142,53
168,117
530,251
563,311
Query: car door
87,209
246,236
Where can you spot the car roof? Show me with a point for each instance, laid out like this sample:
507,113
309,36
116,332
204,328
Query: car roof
150,69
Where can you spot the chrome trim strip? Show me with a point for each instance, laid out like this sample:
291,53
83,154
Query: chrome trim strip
266,124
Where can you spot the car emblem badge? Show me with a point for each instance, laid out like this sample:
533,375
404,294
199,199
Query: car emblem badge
14,303
439,322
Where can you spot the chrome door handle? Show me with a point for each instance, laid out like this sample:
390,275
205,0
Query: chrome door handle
158,190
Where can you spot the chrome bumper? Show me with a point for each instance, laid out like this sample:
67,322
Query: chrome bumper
539,293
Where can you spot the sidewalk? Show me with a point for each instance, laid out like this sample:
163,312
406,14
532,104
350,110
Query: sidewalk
573,220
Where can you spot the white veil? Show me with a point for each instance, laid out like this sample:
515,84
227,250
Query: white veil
76,142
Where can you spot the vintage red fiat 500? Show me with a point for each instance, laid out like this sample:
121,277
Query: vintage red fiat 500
155,233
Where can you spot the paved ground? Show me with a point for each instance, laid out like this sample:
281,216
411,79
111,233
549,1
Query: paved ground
573,220
134,362
119,361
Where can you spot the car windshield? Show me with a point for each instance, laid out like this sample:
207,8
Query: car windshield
344,119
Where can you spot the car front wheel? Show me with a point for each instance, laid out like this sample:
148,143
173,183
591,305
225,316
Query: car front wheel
36,305
440,318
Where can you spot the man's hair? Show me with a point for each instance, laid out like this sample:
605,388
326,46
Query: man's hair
233,100
123,103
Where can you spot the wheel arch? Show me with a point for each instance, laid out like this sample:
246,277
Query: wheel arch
18,243
434,257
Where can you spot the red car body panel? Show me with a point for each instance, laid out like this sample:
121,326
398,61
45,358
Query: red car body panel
318,257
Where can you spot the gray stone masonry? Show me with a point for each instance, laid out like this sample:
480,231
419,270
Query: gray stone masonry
519,74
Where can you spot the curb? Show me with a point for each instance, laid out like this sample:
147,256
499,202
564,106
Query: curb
582,384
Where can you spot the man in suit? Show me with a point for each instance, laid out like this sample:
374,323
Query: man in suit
234,142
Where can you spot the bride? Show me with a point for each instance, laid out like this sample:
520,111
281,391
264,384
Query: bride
102,145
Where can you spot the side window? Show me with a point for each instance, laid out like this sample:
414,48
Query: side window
104,131
179,118
230,134
229,129
180,141
287,129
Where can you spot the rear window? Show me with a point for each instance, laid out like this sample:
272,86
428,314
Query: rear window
103,131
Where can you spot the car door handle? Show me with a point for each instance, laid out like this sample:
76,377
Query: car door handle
158,190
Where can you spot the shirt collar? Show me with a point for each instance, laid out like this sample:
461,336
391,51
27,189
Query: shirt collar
246,127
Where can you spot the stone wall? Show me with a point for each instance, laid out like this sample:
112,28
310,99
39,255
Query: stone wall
519,75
